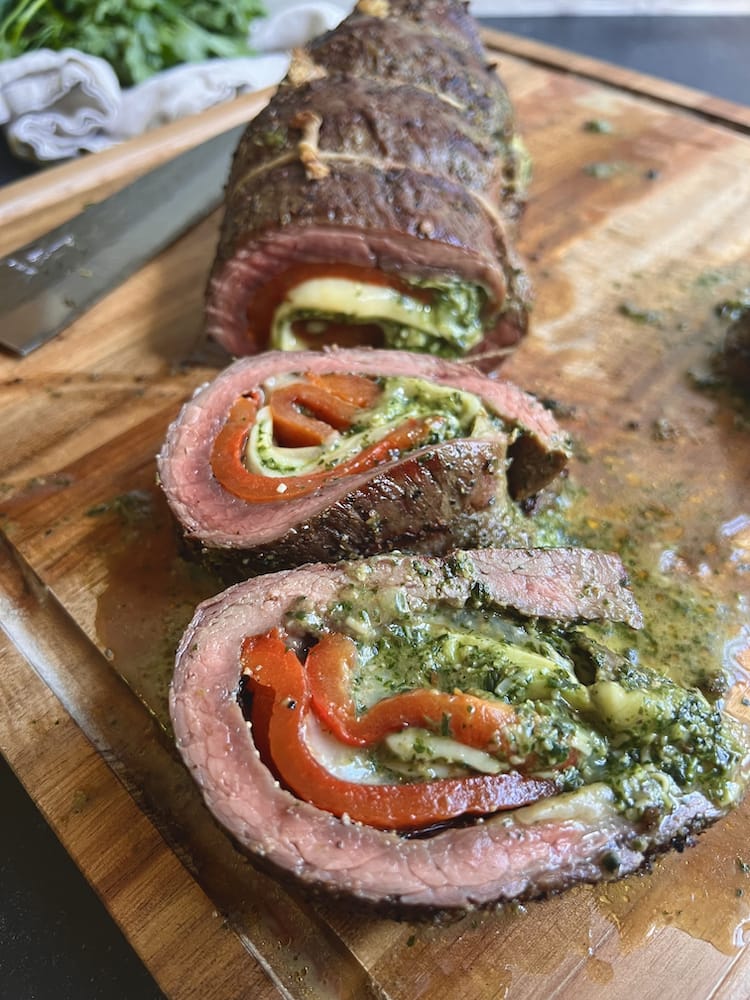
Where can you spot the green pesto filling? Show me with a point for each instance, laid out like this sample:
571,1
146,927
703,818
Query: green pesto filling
448,326
586,711
452,414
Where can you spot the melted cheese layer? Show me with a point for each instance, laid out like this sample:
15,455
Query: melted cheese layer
448,323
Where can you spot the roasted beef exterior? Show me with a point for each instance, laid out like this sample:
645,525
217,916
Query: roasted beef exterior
457,493
413,171
572,837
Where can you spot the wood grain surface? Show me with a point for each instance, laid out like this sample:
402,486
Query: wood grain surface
633,236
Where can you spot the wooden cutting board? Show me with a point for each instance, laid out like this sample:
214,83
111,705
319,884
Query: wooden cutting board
633,235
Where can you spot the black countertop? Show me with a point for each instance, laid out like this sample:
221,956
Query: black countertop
56,939
708,53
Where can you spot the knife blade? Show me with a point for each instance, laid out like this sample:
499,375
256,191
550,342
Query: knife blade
52,280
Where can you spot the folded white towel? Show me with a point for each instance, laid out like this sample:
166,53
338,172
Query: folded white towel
293,23
55,105
193,87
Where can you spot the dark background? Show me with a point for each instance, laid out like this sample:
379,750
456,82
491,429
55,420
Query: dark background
57,942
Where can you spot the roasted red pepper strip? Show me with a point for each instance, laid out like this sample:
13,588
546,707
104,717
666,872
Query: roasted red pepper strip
271,668
229,448
477,722
334,399
356,389
294,429
337,333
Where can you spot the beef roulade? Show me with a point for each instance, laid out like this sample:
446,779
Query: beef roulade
374,200
444,734
319,456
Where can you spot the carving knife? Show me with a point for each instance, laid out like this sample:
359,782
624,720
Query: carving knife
51,281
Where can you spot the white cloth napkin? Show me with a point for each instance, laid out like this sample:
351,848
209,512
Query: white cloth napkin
55,105
291,23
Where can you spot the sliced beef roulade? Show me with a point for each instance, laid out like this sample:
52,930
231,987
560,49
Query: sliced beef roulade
374,200
444,733
319,456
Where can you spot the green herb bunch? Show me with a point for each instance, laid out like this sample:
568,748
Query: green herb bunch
137,37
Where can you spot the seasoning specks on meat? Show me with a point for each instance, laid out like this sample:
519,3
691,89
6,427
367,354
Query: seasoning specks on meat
407,175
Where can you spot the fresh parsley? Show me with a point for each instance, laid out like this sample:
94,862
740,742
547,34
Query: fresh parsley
138,38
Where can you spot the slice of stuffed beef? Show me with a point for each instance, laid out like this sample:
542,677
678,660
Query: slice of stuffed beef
374,200
444,734
292,457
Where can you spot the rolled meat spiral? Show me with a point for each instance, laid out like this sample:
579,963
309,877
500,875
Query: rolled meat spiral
429,497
